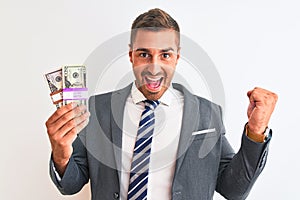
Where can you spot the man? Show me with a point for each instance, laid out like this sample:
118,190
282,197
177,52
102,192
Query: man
183,152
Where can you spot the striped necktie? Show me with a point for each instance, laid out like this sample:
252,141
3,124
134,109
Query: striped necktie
137,189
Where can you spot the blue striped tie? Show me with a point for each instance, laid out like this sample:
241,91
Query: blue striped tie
137,189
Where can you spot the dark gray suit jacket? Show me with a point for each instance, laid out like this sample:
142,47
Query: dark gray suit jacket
206,162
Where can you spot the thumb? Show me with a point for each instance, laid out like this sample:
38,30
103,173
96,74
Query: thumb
251,107
249,93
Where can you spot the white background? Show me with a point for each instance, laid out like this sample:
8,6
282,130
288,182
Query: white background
252,43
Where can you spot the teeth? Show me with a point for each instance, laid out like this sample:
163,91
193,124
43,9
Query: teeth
153,83
153,79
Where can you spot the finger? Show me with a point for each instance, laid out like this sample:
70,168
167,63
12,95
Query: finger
249,93
261,96
73,123
61,111
64,119
72,114
250,108
257,94
72,134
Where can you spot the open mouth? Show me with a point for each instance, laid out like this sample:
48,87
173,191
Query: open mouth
153,84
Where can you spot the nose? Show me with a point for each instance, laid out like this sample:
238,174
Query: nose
154,69
155,66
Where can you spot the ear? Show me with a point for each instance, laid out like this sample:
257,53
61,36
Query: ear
178,55
130,53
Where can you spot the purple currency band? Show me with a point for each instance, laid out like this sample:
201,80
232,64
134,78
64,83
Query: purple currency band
74,89
75,94
75,98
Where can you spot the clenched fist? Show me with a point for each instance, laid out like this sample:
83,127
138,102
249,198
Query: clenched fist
261,106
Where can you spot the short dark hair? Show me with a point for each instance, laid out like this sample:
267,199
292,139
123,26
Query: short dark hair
154,20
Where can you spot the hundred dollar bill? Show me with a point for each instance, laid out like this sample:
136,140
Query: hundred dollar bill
55,82
74,84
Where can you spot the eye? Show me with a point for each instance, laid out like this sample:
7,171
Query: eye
144,55
166,55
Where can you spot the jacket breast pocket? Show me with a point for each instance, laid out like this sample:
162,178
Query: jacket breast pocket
205,133
205,142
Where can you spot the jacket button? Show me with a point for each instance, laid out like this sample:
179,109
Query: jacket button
116,195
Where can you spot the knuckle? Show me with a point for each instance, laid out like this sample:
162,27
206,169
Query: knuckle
65,118
66,142
49,131
59,112
62,143
275,96
55,138
77,110
82,117
73,131
69,126
68,106
72,124
71,105
254,91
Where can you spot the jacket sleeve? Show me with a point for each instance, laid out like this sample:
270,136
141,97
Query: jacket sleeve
238,172
76,174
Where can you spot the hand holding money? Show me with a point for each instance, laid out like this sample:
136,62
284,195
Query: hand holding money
62,128
69,94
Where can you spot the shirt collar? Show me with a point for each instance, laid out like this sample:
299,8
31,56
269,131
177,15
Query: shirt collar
166,98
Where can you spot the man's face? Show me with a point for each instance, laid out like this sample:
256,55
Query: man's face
154,56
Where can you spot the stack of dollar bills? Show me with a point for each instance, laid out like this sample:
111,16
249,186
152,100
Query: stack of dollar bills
68,84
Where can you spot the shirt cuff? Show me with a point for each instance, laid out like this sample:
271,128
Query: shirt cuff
57,176
257,137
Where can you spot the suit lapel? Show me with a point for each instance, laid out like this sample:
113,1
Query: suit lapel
118,100
189,124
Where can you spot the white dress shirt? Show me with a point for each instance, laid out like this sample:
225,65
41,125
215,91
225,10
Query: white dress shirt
168,120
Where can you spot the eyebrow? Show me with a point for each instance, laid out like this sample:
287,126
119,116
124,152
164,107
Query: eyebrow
162,50
167,49
142,49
